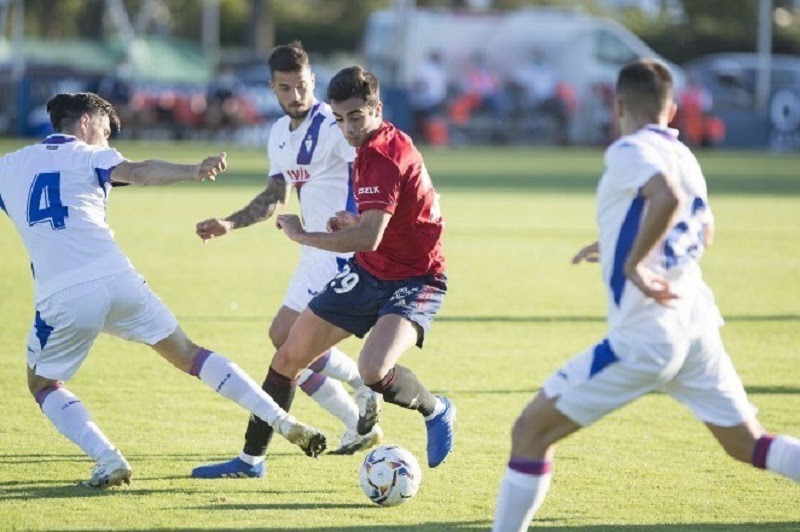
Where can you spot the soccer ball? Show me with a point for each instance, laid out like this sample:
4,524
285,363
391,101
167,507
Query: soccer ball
390,475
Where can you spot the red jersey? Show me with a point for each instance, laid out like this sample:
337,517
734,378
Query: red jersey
390,175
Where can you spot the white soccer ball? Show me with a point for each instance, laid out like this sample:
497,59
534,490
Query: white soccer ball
390,475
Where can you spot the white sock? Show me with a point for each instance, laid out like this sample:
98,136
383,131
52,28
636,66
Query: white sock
783,457
521,495
337,365
250,459
229,380
330,395
437,410
73,420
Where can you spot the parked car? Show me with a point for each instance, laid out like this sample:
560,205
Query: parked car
731,79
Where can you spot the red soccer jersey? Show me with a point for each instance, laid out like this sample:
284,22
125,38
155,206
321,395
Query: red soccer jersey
390,175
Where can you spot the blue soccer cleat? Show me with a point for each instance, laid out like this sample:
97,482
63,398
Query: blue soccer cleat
440,433
236,468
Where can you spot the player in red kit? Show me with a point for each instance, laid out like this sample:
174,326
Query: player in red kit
395,283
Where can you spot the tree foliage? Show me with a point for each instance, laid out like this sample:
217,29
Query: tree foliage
333,25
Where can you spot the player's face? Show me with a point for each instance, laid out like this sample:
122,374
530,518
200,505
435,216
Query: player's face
357,120
295,91
95,130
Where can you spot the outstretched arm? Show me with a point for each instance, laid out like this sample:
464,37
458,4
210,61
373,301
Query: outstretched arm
259,209
156,172
351,233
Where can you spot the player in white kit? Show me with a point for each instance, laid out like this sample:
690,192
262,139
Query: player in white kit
307,152
55,193
654,220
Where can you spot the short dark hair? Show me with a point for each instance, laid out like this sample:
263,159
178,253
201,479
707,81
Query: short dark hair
66,109
355,82
290,57
645,84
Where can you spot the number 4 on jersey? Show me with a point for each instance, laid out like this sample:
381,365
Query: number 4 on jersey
44,202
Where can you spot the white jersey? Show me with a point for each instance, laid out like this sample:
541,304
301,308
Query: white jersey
317,160
55,194
629,164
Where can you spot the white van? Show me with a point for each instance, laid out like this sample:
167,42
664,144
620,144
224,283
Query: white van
586,51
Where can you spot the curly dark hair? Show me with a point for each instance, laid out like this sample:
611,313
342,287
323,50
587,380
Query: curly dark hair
355,82
66,109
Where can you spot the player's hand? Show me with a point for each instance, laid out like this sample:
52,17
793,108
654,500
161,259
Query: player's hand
342,220
211,166
650,283
590,253
289,224
212,227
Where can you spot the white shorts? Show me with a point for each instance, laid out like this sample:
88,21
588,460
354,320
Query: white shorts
68,321
699,374
315,269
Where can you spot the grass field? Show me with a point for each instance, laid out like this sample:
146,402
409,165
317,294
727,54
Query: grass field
515,310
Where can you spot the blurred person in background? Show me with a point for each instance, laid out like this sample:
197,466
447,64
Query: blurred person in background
428,95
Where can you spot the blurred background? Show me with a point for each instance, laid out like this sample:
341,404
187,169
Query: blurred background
453,73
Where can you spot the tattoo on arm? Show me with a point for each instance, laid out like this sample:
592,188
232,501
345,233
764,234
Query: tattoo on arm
262,206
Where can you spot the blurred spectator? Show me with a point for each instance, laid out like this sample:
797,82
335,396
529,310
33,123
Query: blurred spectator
540,99
116,88
428,94
223,100
534,81
694,112
483,88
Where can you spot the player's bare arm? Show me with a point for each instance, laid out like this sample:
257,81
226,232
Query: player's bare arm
590,253
664,197
155,172
365,235
259,209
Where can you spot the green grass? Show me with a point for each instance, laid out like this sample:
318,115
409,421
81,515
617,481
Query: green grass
515,311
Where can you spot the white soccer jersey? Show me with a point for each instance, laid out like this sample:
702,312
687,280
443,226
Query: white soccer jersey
316,159
55,194
629,163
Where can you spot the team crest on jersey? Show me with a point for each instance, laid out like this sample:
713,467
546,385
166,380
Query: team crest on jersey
309,143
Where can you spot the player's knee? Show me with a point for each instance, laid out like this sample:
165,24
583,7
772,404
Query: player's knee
525,428
371,371
277,335
287,361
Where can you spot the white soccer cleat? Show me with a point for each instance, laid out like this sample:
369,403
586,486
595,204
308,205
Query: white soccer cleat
369,408
309,439
352,441
109,471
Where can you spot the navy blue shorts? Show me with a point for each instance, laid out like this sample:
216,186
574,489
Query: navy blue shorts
355,299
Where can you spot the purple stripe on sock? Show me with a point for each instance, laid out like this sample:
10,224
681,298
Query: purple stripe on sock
313,383
42,394
530,467
319,364
199,360
761,451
